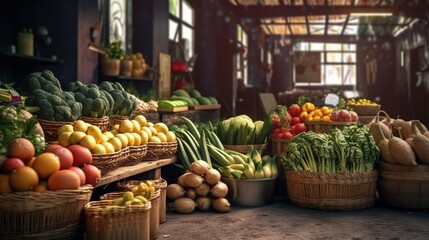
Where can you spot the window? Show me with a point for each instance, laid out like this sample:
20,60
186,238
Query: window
338,63
240,58
117,22
181,29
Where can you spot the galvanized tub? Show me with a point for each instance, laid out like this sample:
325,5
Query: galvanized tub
250,192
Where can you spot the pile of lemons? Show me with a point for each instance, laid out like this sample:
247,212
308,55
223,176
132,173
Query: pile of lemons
135,132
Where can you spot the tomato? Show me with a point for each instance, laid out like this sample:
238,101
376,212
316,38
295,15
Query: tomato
295,120
287,135
294,110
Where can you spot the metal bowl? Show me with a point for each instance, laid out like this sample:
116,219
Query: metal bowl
250,192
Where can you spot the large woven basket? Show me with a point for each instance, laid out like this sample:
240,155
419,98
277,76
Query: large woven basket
154,211
110,161
160,150
50,128
46,215
404,186
120,222
137,154
332,191
102,123
245,148
365,110
115,119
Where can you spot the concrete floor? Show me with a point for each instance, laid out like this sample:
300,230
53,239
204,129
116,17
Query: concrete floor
282,220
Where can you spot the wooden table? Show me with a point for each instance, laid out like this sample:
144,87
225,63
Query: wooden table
127,171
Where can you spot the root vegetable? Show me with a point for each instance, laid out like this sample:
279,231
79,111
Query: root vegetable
221,205
199,167
203,203
220,190
212,176
190,193
193,180
203,189
175,191
181,179
184,205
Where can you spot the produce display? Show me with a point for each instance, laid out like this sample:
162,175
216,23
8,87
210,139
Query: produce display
192,98
199,188
138,195
361,101
352,149
287,122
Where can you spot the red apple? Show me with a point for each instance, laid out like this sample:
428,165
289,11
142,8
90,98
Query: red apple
344,116
63,153
334,116
81,155
92,174
354,116
11,164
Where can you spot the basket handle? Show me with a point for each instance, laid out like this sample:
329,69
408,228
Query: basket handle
377,118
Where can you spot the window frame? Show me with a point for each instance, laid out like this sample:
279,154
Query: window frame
241,60
178,35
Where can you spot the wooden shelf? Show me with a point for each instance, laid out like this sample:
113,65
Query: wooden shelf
128,171
19,58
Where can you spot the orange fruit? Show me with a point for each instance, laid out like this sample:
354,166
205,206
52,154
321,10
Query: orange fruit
4,184
45,164
24,178
41,187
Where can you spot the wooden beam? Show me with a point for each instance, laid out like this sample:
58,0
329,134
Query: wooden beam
290,11
331,38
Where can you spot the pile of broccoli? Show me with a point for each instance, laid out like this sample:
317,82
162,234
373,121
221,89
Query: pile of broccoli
96,102
124,102
44,91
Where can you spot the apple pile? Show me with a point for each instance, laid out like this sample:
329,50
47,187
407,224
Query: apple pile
344,115
57,168
286,122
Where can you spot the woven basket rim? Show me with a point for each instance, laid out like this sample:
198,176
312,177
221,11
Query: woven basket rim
99,207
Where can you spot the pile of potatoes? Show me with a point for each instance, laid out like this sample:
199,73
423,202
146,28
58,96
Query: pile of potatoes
199,188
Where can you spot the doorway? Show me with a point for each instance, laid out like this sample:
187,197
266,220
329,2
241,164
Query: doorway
419,96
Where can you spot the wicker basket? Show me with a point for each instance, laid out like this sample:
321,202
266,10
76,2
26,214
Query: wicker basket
404,186
124,222
160,150
365,110
115,119
277,145
46,215
50,128
162,185
137,154
102,123
110,161
245,148
154,211
326,127
332,191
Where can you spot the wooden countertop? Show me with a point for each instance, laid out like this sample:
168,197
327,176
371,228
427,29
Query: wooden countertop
127,171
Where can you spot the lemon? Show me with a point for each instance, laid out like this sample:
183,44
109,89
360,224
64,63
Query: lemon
161,127
126,126
116,143
143,136
148,131
65,128
75,137
88,141
95,132
63,139
141,119
80,125
137,139
171,137
149,124
104,138
136,125
108,147
123,138
162,136
114,131
130,139
108,134
154,139
99,149
154,131
115,127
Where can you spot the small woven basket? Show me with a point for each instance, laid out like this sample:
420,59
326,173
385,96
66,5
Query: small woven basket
365,110
110,161
160,150
162,185
404,186
115,119
154,211
46,215
137,154
119,222
102,123
50,128
332,191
